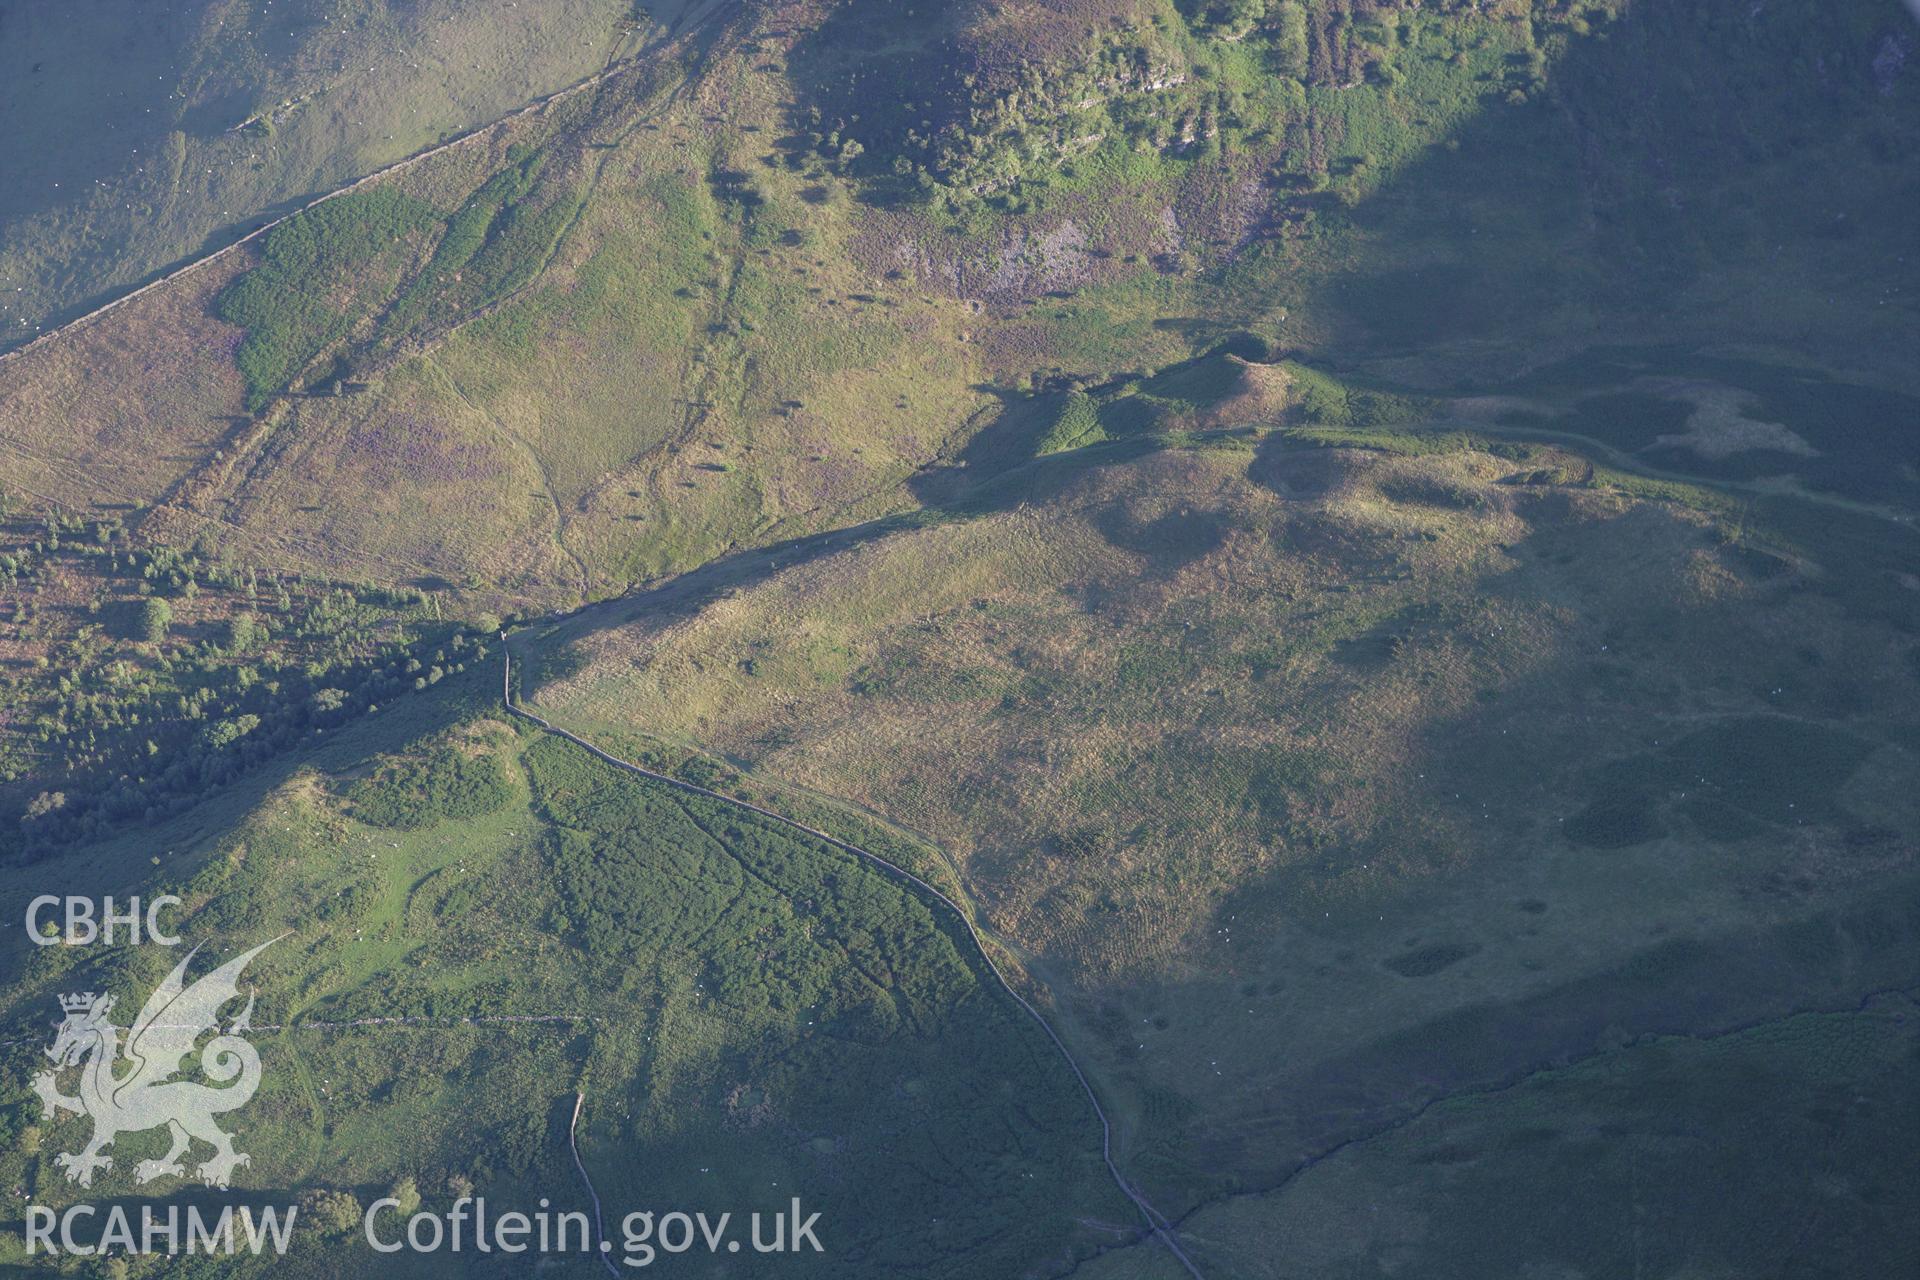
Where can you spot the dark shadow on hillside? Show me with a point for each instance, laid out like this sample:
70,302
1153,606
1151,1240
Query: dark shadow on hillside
1836,957
1032,482
1127,406
1010,439
1677,143
119,861
1536,744
996,470
1288,470
1839,437
1791,946
881,87
550,1178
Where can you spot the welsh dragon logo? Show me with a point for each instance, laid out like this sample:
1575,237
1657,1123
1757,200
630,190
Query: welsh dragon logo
140,1092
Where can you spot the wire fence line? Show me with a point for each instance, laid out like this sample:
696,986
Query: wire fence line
321,1024
464,138
599,1218
1160,1227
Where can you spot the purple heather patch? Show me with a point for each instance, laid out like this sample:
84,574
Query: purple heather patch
404,447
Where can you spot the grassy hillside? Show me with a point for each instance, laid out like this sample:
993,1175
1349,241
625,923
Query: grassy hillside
482,922
141,679
141,135
1424,762
1645,1146
1371,547
682,313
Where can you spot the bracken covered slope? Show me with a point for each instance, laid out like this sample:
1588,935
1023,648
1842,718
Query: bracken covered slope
1370,546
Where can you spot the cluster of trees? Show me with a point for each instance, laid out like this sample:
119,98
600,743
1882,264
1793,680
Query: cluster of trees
945,126
1325,401
48,536
336,1211
967,125
141,753
137,717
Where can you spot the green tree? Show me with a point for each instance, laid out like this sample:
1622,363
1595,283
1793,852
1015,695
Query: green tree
224,733
333,1212
1236,18
1076,423
1290,45
407,1192
244,633
156,615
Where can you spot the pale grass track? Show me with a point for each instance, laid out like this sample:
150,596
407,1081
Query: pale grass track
599,1218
